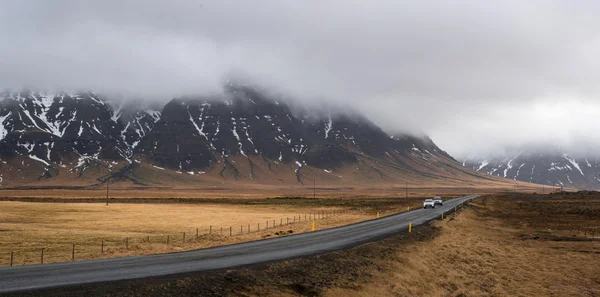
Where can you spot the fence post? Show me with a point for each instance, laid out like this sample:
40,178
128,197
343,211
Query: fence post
11,259
241,229
42,258
294,219
102,250
273,223
183,237
280,221
267,224
197,232
230,231
73,253
127,243
410,227
305,217
168,239
258,227
248,228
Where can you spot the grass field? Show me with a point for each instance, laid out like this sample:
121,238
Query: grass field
490,250
26,228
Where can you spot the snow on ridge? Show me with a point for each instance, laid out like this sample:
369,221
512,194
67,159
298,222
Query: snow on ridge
509,165
568,178
238,138
154,114
80,129
518,171
573,162
328,127
196,125
483,164
3,130
38,159
117,113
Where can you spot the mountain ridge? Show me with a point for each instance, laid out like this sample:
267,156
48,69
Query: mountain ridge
548,166
242,135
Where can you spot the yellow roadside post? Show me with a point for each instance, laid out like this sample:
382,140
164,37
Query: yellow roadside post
313,227
408,208
454,207
409,227
378,214
442,216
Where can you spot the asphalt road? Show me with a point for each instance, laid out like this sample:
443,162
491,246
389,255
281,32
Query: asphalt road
31,277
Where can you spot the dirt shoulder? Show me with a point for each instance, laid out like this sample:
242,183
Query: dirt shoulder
480,251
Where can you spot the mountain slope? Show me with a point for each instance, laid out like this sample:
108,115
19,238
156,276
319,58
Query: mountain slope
549,168
242,136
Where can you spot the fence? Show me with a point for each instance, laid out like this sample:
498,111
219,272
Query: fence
199,237
212,235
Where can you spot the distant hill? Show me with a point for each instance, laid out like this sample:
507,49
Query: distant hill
552,167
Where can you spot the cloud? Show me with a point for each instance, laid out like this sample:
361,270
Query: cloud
474,75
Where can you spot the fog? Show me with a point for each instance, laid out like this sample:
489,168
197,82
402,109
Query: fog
475,76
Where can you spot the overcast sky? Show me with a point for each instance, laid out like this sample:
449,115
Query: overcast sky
473,75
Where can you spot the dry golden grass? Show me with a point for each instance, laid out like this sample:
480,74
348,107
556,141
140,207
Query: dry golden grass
478,255
25,228
252,192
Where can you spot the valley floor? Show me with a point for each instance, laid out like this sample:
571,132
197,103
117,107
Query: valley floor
504,245
125,229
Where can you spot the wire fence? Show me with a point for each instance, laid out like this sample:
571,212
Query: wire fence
191,238
200,237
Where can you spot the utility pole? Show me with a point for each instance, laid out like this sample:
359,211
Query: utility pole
314,187
107,183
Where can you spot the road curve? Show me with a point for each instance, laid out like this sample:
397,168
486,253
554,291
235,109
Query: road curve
32,277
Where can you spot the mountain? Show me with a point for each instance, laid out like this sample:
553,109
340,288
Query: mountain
242,136
553,167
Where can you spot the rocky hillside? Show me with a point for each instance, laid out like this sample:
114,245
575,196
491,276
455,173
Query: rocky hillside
242,135
553,168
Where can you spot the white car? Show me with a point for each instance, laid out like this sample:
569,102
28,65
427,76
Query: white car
428,203
438,200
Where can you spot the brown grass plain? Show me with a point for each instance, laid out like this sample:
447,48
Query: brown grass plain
25,227
483,252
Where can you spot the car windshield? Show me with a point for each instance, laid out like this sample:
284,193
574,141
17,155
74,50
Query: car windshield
428,200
